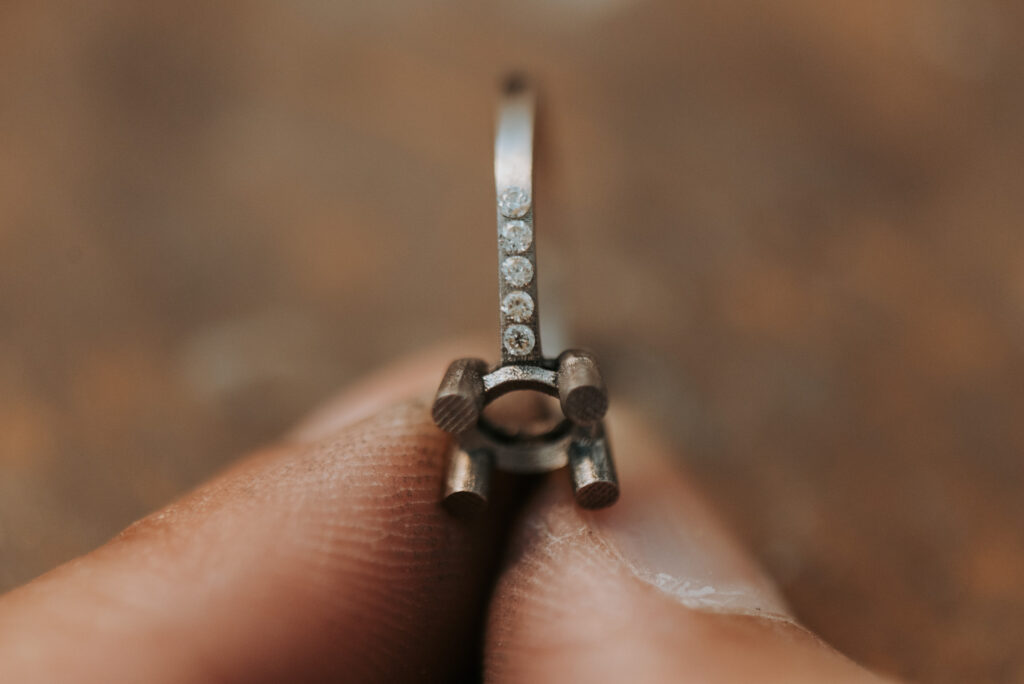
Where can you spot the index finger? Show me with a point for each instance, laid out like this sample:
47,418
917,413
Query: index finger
327,557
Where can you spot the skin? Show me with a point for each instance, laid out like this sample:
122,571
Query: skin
327,558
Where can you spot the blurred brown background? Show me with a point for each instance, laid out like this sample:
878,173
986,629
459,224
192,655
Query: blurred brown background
792,229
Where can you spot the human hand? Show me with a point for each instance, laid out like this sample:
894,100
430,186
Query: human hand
327,557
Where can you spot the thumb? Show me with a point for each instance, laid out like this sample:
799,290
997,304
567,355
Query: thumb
653,589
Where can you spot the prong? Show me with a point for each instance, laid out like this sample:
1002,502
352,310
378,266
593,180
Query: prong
460,398
469,476
581,388
594,481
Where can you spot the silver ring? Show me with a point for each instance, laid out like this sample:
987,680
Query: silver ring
573,376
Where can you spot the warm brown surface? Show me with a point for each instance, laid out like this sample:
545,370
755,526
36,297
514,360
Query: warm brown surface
792,229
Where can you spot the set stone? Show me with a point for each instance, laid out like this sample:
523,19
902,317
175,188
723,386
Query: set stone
518,271
519,340
516,236
518,306
514,202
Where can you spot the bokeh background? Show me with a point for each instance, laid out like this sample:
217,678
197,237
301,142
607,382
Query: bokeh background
791,229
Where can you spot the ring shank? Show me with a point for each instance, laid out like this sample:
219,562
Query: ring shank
513,146
518,305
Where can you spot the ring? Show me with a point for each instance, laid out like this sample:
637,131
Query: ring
573,377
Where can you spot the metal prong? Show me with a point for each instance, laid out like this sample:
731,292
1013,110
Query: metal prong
581,388
469,475
593,472
460,398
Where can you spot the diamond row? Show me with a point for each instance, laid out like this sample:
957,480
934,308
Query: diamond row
516,237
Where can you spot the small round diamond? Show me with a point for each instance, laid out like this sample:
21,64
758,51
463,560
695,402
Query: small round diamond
514,202
518,271
516,236
519,340
518,306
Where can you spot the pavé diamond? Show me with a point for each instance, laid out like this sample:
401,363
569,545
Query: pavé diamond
518,271
516,236
519,340
518,306
514,202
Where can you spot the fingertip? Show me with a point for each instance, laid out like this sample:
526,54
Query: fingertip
669,534
649,589
311,560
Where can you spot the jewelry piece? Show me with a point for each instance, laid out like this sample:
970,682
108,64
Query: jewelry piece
573,377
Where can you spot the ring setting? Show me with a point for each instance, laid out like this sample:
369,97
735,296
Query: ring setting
573,377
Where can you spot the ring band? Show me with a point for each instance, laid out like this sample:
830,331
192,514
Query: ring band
517,246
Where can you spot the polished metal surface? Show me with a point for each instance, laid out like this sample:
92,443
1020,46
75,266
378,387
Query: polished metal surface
574,377
468,479
594,481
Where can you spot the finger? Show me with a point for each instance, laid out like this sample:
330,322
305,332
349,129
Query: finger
328,558
652,589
